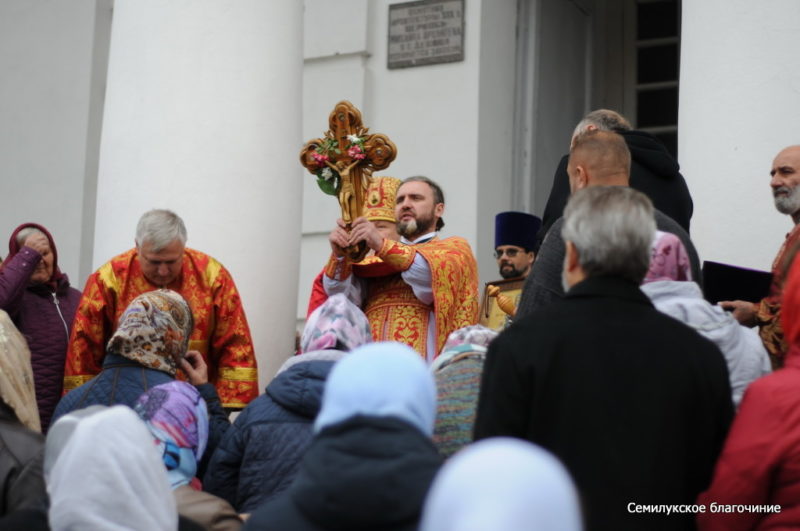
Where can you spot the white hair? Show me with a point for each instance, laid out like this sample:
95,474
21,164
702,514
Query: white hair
604,120
27,231
160,228
612,228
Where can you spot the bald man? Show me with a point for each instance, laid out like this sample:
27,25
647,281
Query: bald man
766,314
597,158
654,171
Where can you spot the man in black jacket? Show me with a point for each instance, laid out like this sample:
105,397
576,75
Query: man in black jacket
635,403
597,158
654,171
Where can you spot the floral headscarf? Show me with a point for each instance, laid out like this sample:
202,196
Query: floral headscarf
473,339
16,375
337,321
668,260
154,330
177,417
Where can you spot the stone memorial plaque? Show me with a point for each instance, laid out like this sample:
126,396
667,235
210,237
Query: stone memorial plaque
425,32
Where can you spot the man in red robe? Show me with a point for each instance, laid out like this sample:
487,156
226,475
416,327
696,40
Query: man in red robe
161,260
378,209
428,287
766,313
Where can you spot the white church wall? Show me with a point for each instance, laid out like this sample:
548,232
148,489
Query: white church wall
451,122
53,58
739,99
203,117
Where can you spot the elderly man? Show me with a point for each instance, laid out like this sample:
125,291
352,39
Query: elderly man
654,171
767,313
515,243
161,260
634,403
597,158
429,287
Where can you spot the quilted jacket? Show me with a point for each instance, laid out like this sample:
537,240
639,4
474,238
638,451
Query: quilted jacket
21,454
122,381
43,314
260,454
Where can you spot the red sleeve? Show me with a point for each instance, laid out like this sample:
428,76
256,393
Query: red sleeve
753,451
318,295
90,331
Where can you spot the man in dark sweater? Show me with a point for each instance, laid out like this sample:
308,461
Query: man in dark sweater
654,171
634,403
597,158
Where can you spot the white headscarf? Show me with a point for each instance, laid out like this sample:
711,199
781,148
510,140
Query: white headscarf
381,380
110,476
16,375
502,483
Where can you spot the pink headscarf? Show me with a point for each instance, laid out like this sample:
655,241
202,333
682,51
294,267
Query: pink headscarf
668,260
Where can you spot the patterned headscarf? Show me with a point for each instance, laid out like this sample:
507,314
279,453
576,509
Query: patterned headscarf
154,330
668,260
177,417
16,375
337,321
473,339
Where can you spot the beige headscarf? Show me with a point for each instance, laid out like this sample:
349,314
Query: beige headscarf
16,375
154,330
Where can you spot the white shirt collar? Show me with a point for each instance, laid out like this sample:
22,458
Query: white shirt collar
423,238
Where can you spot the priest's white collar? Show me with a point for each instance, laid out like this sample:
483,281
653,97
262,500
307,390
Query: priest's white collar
422,239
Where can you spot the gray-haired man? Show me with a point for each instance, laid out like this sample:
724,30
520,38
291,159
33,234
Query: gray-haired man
162,260
597,158
634,403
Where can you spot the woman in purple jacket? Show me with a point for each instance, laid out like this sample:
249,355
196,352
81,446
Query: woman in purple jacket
40,301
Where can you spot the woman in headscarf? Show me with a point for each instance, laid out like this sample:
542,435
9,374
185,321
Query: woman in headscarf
146,350
21,444
669,286
372,460
458,371
502,483
110,476
260,454
40,301
760,462
176,415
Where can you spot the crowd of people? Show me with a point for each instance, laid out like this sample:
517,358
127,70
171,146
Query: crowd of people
614,396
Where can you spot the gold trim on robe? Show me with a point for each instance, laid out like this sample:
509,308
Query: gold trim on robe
221,333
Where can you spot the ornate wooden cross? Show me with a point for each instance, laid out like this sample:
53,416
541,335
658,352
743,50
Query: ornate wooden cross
343,161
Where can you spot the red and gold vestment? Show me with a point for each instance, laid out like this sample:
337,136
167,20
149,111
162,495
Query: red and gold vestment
394,312
220,333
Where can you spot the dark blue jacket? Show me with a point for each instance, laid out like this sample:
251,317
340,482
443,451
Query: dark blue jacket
260,454
122,381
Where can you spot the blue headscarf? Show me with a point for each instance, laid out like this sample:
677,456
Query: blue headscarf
381,380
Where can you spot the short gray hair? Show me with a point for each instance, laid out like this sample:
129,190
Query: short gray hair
27,231
160,228
612,228
604,120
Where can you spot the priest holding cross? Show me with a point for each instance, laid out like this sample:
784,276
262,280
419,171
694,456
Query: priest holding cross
415,291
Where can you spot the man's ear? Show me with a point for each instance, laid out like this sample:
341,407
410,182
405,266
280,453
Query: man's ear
572,260
581,178
438,209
